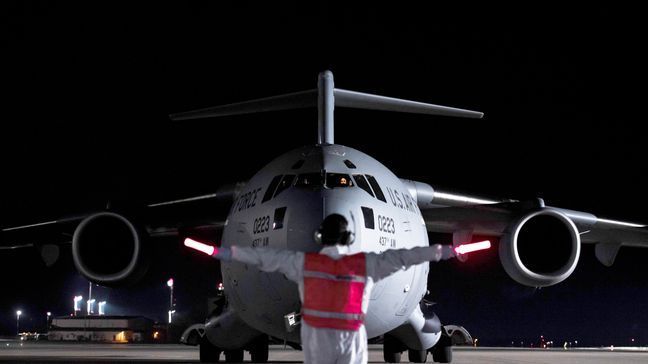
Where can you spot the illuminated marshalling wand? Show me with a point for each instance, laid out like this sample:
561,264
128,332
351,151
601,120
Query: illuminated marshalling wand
461,249
472,247
201,247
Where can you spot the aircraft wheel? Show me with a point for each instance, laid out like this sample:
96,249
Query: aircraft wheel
417,356
234,356
442,354
391,352
259,349
208,352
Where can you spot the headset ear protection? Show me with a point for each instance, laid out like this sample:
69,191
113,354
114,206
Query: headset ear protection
346,238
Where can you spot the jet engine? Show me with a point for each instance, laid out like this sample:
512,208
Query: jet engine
109,249
541,248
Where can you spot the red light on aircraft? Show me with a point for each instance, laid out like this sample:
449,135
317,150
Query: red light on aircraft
469,248
207,249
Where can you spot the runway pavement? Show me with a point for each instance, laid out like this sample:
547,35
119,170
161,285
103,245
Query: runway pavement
37,352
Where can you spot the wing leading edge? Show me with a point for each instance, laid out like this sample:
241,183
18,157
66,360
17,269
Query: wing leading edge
454,213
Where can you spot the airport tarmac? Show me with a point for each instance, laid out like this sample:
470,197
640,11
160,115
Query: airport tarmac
32,352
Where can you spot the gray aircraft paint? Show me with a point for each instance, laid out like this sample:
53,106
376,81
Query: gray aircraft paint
393,300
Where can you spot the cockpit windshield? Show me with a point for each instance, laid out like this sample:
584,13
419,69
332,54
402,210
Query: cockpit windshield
309,180
328,180
334,180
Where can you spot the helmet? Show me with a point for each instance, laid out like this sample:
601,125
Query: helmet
334,230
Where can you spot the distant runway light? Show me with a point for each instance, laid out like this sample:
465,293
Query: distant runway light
102,308
90,304
469,248
207,249
77,304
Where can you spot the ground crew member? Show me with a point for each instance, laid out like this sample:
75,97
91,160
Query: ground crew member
334,287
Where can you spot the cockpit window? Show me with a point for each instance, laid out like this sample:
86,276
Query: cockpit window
362,183
368,215
271,188
315,180
349,164
279,216
298,164
309,180
286,182
334,180
376,188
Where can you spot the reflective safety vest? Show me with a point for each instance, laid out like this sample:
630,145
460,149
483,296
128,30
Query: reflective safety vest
333,291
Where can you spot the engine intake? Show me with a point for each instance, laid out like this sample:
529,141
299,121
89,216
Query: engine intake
541,249
109,250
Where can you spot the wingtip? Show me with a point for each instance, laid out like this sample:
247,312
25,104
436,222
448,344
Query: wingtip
474,115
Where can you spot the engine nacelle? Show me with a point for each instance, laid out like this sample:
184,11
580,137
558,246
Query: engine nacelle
541,249
108,249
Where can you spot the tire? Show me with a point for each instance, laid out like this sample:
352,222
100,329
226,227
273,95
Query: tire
259,349
442,354
234,356
208,352
417,356
392,357
391,352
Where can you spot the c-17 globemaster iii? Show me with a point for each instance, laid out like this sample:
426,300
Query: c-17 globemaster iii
283,204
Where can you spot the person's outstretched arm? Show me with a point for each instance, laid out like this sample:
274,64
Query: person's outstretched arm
381,265
288,262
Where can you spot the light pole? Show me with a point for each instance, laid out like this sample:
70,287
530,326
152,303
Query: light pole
171,310
77,300
170,285
49,314
102,310
90,303
18,313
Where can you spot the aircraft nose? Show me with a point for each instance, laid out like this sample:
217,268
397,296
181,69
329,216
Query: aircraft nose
342,207
303,220
306,220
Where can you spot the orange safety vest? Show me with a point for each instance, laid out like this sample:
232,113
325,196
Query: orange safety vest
333,291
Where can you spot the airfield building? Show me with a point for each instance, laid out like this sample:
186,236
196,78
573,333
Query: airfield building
115,329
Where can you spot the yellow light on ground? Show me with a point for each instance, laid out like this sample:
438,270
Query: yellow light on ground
121,337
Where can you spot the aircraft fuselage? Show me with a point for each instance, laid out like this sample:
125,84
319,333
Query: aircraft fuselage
283,205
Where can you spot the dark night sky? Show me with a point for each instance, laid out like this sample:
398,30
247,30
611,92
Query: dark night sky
87,87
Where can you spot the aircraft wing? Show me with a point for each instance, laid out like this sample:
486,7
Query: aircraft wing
195,215
493,219
466,215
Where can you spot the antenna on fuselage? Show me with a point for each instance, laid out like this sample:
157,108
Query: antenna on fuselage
326,97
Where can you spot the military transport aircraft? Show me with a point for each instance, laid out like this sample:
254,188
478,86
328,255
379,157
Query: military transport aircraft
284,203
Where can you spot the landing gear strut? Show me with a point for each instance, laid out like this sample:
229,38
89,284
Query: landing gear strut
442,354
392,349
442,351
258,349
417,356
234,356
208,352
